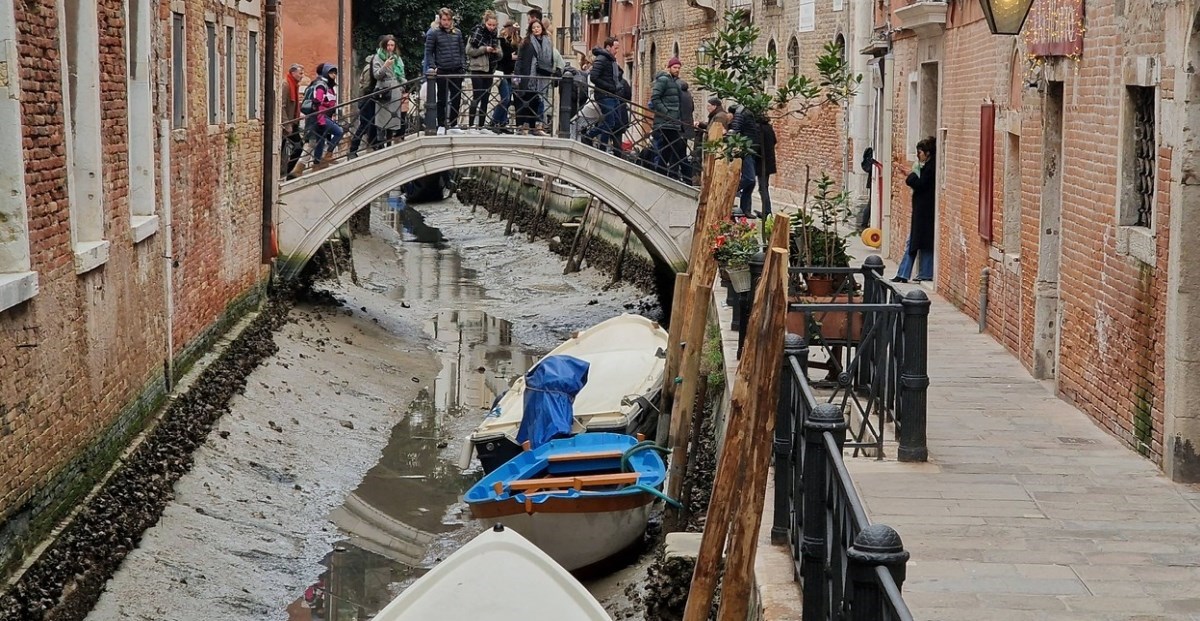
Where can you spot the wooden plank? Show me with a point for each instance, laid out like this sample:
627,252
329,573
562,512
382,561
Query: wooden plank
572,265
575,482
679,314
685,401
580,456
766,319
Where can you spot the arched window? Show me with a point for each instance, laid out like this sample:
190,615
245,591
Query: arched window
653,64
675,50
773,52
794,58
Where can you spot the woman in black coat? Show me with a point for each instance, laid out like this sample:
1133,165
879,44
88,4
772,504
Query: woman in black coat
923,181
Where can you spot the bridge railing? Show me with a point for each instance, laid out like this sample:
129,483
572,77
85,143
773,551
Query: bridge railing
850,569
538,105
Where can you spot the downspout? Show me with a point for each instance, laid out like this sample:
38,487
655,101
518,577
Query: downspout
984,277
270,146
164,138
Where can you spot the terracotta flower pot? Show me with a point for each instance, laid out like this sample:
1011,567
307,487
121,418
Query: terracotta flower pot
839,327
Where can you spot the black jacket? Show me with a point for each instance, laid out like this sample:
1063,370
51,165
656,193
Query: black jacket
482,38
924,194
506,65
745,124
766,148
604,73
446,50
687,113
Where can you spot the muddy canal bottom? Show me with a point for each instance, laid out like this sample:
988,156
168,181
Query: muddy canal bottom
406,514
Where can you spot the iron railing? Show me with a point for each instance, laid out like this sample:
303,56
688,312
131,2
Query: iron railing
871,339
492,104
850,569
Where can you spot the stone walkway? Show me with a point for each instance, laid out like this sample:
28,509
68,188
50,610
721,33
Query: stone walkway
1026,509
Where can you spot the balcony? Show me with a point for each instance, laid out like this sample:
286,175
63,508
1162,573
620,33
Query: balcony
927,18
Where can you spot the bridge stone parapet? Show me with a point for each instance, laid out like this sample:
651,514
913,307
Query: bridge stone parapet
659,210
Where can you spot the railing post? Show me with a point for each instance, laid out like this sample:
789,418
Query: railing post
914,378
825,417
785,418
741,310
872,270
566,104
877,545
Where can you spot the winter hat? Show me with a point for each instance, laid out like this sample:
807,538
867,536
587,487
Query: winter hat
674,62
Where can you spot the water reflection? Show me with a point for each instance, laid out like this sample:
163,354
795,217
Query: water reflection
430,269
480,361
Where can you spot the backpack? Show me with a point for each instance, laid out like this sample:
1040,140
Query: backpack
366,79
308,105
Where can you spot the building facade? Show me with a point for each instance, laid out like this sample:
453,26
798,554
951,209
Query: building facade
1066,161
311,35
132,140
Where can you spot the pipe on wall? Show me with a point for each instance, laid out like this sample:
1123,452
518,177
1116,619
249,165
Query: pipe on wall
164,138
270,146
985,277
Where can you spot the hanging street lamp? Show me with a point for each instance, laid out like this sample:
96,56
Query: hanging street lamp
1006,17
704,56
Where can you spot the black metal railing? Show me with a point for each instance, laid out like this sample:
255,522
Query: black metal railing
871,339
491,104
850,569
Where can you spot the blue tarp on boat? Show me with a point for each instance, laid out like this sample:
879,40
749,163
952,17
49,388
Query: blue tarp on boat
550,389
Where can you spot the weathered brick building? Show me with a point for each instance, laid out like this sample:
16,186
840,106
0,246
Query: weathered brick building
132,140
1066,163
310,35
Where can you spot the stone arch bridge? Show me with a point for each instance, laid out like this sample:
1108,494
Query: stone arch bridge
660,210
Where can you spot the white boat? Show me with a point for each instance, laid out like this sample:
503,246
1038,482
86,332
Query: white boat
498,576
627,357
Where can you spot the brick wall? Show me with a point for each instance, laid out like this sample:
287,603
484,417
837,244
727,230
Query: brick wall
1112,305
81,364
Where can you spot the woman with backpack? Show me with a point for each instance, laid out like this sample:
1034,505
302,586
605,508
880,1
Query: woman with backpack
388,70
535,62
483,53
324,99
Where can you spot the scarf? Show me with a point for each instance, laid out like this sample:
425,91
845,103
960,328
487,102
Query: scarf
397,67
294,90
541,49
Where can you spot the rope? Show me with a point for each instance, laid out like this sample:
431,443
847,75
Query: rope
637,448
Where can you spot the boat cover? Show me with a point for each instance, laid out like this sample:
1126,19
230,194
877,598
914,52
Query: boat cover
550,389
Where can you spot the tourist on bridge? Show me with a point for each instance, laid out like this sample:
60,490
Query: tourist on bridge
328,132
605,78
668,136
293,137
687,125
535,63
922,180
483,54
388,68
764,162
745,124
445,49
510,42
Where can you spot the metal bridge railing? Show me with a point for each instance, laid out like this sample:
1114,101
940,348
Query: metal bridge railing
850,569
491,104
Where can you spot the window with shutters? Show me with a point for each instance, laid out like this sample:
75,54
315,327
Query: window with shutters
1140,158
18,282
214,84
80,38
252,76
793,53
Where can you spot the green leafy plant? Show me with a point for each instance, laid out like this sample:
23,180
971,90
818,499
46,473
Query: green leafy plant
734,242
822,228
739,75
588,7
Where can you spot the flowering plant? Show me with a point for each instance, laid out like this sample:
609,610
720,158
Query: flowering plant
734,242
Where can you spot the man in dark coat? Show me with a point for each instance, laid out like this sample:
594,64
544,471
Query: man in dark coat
745,124
664,101
446,51
687,121
606,82
923,181
765,162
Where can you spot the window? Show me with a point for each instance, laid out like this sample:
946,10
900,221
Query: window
214,113
85,173
794,58
178,85
773,54
1012,195
140,121
1139,158
17,282
252,77
230,76
675,50
913,122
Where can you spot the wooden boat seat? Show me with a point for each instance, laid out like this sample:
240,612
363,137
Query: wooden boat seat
584,455
578,482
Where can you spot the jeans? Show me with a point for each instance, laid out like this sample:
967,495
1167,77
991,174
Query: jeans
764,192
328,134
925,265
500,114
746,185
293,146
449,98
607,126
481,89
366,127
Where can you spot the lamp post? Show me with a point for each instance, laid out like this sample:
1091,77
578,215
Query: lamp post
704,55
1006,16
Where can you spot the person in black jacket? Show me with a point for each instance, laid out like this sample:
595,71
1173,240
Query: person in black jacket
445,49
764,162
744,124
923,181
483,54
687,121
605,78
510,41
535,63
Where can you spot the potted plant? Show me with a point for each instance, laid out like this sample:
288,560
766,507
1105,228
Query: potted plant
820,234
590,8
734,242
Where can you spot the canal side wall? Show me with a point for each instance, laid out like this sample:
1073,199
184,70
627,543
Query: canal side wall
84,359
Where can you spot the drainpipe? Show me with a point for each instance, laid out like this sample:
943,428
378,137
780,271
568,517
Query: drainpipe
164,139
984,277
270,147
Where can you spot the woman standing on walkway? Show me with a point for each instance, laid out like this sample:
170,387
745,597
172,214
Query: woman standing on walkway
923,182
483,53
535,62
388,68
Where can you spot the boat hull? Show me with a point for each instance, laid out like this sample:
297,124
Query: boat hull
577,540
